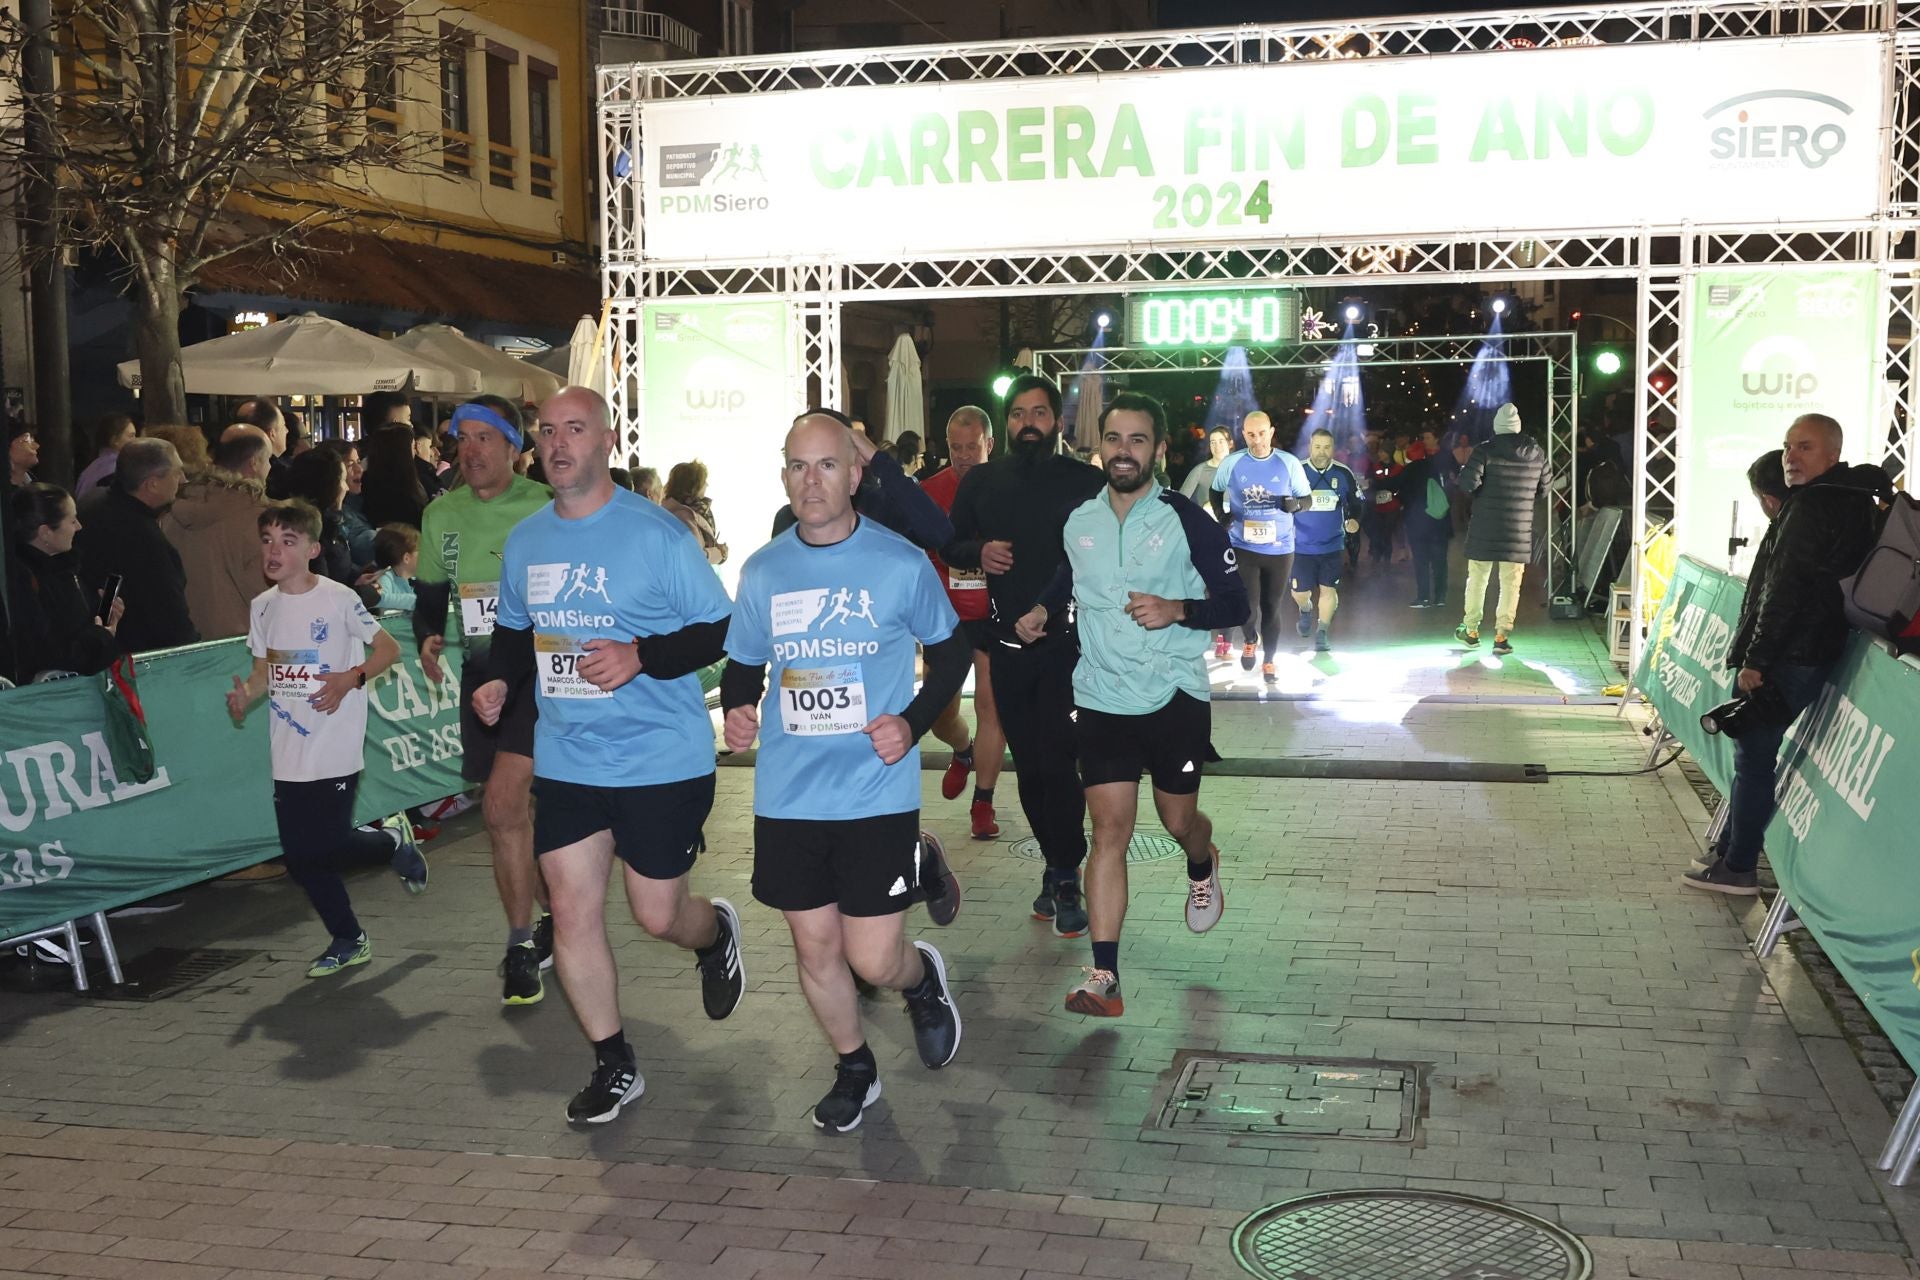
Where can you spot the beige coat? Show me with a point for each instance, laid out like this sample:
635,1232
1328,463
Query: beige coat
213,524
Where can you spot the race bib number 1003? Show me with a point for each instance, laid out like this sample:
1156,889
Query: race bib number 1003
559,659
823,700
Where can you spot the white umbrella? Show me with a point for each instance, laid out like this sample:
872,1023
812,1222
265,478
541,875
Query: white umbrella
500,374
906,405
587,355
309,355
1086,417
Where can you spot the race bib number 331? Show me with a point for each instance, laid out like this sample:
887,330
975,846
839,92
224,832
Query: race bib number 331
823,700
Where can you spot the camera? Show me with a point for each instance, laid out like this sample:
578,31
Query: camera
1764,708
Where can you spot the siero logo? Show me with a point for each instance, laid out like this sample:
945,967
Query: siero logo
1773,127
708,165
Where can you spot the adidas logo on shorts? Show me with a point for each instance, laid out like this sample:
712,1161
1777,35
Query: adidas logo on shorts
899,887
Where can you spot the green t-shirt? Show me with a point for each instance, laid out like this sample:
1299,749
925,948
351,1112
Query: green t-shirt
461,541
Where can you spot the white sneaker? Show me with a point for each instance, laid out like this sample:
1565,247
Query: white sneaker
1206,899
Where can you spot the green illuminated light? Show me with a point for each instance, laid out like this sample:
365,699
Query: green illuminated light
1607,362
1002,384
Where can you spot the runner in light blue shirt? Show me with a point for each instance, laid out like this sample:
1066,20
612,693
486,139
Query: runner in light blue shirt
1257,491
608,609
834,606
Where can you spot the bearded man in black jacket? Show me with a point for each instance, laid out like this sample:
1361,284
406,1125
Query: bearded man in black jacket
1792,626
1008,519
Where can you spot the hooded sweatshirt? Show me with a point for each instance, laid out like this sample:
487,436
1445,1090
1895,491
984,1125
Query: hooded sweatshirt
213,524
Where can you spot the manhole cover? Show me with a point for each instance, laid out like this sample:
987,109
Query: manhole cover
1142,848
1404,1235
1282,1097
167,971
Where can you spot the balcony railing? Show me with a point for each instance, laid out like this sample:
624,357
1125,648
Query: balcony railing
626,20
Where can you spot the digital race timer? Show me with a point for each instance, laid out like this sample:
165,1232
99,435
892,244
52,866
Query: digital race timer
1223,318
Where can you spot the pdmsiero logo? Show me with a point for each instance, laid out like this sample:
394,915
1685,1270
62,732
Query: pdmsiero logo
1776,128
711,165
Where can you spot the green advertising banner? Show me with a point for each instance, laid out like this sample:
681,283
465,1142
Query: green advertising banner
1683,667
75,838
1763,348
719,389
1847,766
1857,885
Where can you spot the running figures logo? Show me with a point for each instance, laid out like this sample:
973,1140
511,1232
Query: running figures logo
712,165
1788,129
847,610
568,587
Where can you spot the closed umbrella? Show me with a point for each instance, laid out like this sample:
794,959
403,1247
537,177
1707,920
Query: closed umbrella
310,355
587,354
555,360
906,403
1086,418
500,374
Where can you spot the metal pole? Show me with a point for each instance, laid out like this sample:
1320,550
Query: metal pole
1904,1129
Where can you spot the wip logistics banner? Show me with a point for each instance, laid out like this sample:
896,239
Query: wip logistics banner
1683,667
719,389
1527,141
74,838
1763,348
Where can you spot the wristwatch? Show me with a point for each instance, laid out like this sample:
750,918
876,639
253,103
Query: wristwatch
361,672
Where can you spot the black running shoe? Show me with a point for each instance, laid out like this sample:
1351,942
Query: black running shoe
543,939
1043,901
938,881
936,1023
613,1086
852,1093
723,974
521,974
1069,911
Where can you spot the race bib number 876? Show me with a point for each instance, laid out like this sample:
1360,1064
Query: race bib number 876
559,659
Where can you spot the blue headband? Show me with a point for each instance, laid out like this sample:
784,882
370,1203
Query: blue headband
486,417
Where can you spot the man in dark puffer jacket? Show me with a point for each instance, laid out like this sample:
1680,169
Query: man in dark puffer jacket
1507,476
1792,625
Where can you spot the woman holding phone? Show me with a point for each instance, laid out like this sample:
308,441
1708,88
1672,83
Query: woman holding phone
56,625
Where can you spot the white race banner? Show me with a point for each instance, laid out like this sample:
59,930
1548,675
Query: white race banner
1516,142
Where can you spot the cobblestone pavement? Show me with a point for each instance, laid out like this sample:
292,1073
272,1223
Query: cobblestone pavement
1509,971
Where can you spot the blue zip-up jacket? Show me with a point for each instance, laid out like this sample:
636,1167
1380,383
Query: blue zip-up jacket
1165,547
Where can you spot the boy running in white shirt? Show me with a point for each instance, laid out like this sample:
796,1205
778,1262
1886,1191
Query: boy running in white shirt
309,638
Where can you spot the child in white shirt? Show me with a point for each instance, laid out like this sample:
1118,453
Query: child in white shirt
309,637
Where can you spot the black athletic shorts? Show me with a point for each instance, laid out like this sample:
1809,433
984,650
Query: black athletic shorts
1317,571
976,633
655,829
864,866
479,743
1170,743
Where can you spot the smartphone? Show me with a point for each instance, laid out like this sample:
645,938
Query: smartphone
109,592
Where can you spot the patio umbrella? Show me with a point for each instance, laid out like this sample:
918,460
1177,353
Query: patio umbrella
554,359
500,373
587,354
1086,418
310,355
906,404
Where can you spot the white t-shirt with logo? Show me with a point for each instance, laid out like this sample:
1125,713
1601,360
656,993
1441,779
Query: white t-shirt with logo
303,637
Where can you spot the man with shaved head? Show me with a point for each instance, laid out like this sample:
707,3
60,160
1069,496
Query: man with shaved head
834,606
1792,629
1257,491
608,610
